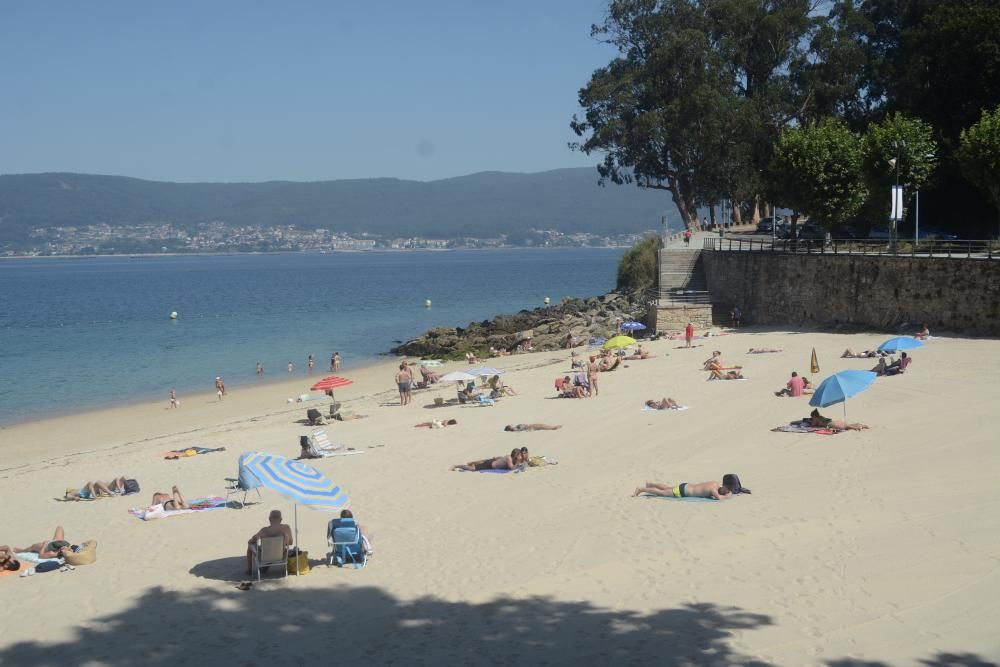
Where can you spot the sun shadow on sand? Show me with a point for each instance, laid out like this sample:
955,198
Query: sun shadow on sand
233,569
278,623
937,660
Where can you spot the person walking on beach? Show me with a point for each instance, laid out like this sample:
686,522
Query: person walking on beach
336,361
310,363
220,387
173,399
688,334
260,369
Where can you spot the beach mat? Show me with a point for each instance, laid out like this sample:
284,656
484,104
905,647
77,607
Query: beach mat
197,505
800,428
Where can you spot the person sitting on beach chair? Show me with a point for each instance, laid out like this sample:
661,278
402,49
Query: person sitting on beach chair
712,490
508,462
899,366
663,404
430,377
94,490
274,528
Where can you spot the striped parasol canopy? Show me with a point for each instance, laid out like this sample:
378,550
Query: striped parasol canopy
296,481
331,382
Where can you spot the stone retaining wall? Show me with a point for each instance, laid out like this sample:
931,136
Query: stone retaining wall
884,292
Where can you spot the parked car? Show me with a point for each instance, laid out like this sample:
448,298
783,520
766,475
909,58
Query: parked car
812,231
765,226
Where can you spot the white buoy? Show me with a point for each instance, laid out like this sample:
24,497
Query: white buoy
427,303
546,301
173,315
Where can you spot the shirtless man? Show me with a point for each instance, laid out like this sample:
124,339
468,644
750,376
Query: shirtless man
172,501
592,369
508,462
53,548
274,529
220,388
712,490
403,380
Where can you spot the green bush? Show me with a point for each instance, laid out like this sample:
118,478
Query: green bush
638,270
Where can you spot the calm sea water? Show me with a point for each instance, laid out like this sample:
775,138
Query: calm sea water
87,332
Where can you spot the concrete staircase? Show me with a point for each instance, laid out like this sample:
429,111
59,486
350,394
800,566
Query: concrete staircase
682,278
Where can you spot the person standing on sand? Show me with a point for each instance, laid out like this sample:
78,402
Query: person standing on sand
333,360
592,369
336,361
403,379
688,334
173,399
291,367
260,369
310,363
220,387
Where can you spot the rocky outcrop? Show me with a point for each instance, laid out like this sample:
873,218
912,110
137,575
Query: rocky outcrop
549,327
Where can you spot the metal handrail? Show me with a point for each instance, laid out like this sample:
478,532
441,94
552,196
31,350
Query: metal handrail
978,249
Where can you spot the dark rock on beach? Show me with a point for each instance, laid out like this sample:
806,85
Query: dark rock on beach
547,328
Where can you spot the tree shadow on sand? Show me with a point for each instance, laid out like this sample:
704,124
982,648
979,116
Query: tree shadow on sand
277,623
937,660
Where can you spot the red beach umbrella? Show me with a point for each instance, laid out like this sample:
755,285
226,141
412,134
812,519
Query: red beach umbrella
331,382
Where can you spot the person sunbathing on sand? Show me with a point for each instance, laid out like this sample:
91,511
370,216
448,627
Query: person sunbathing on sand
53,548
728,375
508,462
762,350
7,560
663,404
94,490
864,354
531,427
819,421
712,490
880,367
172,501
437,423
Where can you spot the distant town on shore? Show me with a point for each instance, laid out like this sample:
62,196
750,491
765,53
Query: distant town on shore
217,237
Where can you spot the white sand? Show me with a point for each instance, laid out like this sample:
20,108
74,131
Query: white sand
880,545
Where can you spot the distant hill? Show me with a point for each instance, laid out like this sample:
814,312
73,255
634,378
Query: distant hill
483,205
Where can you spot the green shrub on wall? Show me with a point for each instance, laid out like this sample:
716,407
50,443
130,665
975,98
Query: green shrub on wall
638,270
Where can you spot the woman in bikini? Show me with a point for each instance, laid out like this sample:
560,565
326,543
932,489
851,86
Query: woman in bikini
663,404
173,501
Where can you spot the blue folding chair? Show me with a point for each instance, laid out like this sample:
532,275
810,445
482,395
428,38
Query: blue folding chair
347,546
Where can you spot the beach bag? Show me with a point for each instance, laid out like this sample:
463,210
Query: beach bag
732,482
315,417
298,562
131,486
84,554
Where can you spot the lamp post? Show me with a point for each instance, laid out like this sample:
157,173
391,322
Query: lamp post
896,212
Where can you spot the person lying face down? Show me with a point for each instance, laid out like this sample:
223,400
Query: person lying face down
508,462
712,490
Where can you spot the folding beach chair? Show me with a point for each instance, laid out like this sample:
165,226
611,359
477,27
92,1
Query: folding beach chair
346,543
244,483
270,551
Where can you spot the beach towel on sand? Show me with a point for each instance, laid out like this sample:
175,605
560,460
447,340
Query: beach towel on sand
190,451
803,427
197,505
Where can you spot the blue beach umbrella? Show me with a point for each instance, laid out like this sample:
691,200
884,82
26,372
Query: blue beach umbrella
633,326
840,386
894,345
300,483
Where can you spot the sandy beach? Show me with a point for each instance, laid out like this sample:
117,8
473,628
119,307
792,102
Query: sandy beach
862,548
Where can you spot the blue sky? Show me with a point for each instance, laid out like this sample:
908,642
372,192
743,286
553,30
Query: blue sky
252,91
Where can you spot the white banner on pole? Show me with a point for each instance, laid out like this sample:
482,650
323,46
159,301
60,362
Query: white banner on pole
897,203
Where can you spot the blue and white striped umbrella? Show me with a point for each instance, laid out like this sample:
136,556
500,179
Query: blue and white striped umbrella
633,326
296,481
